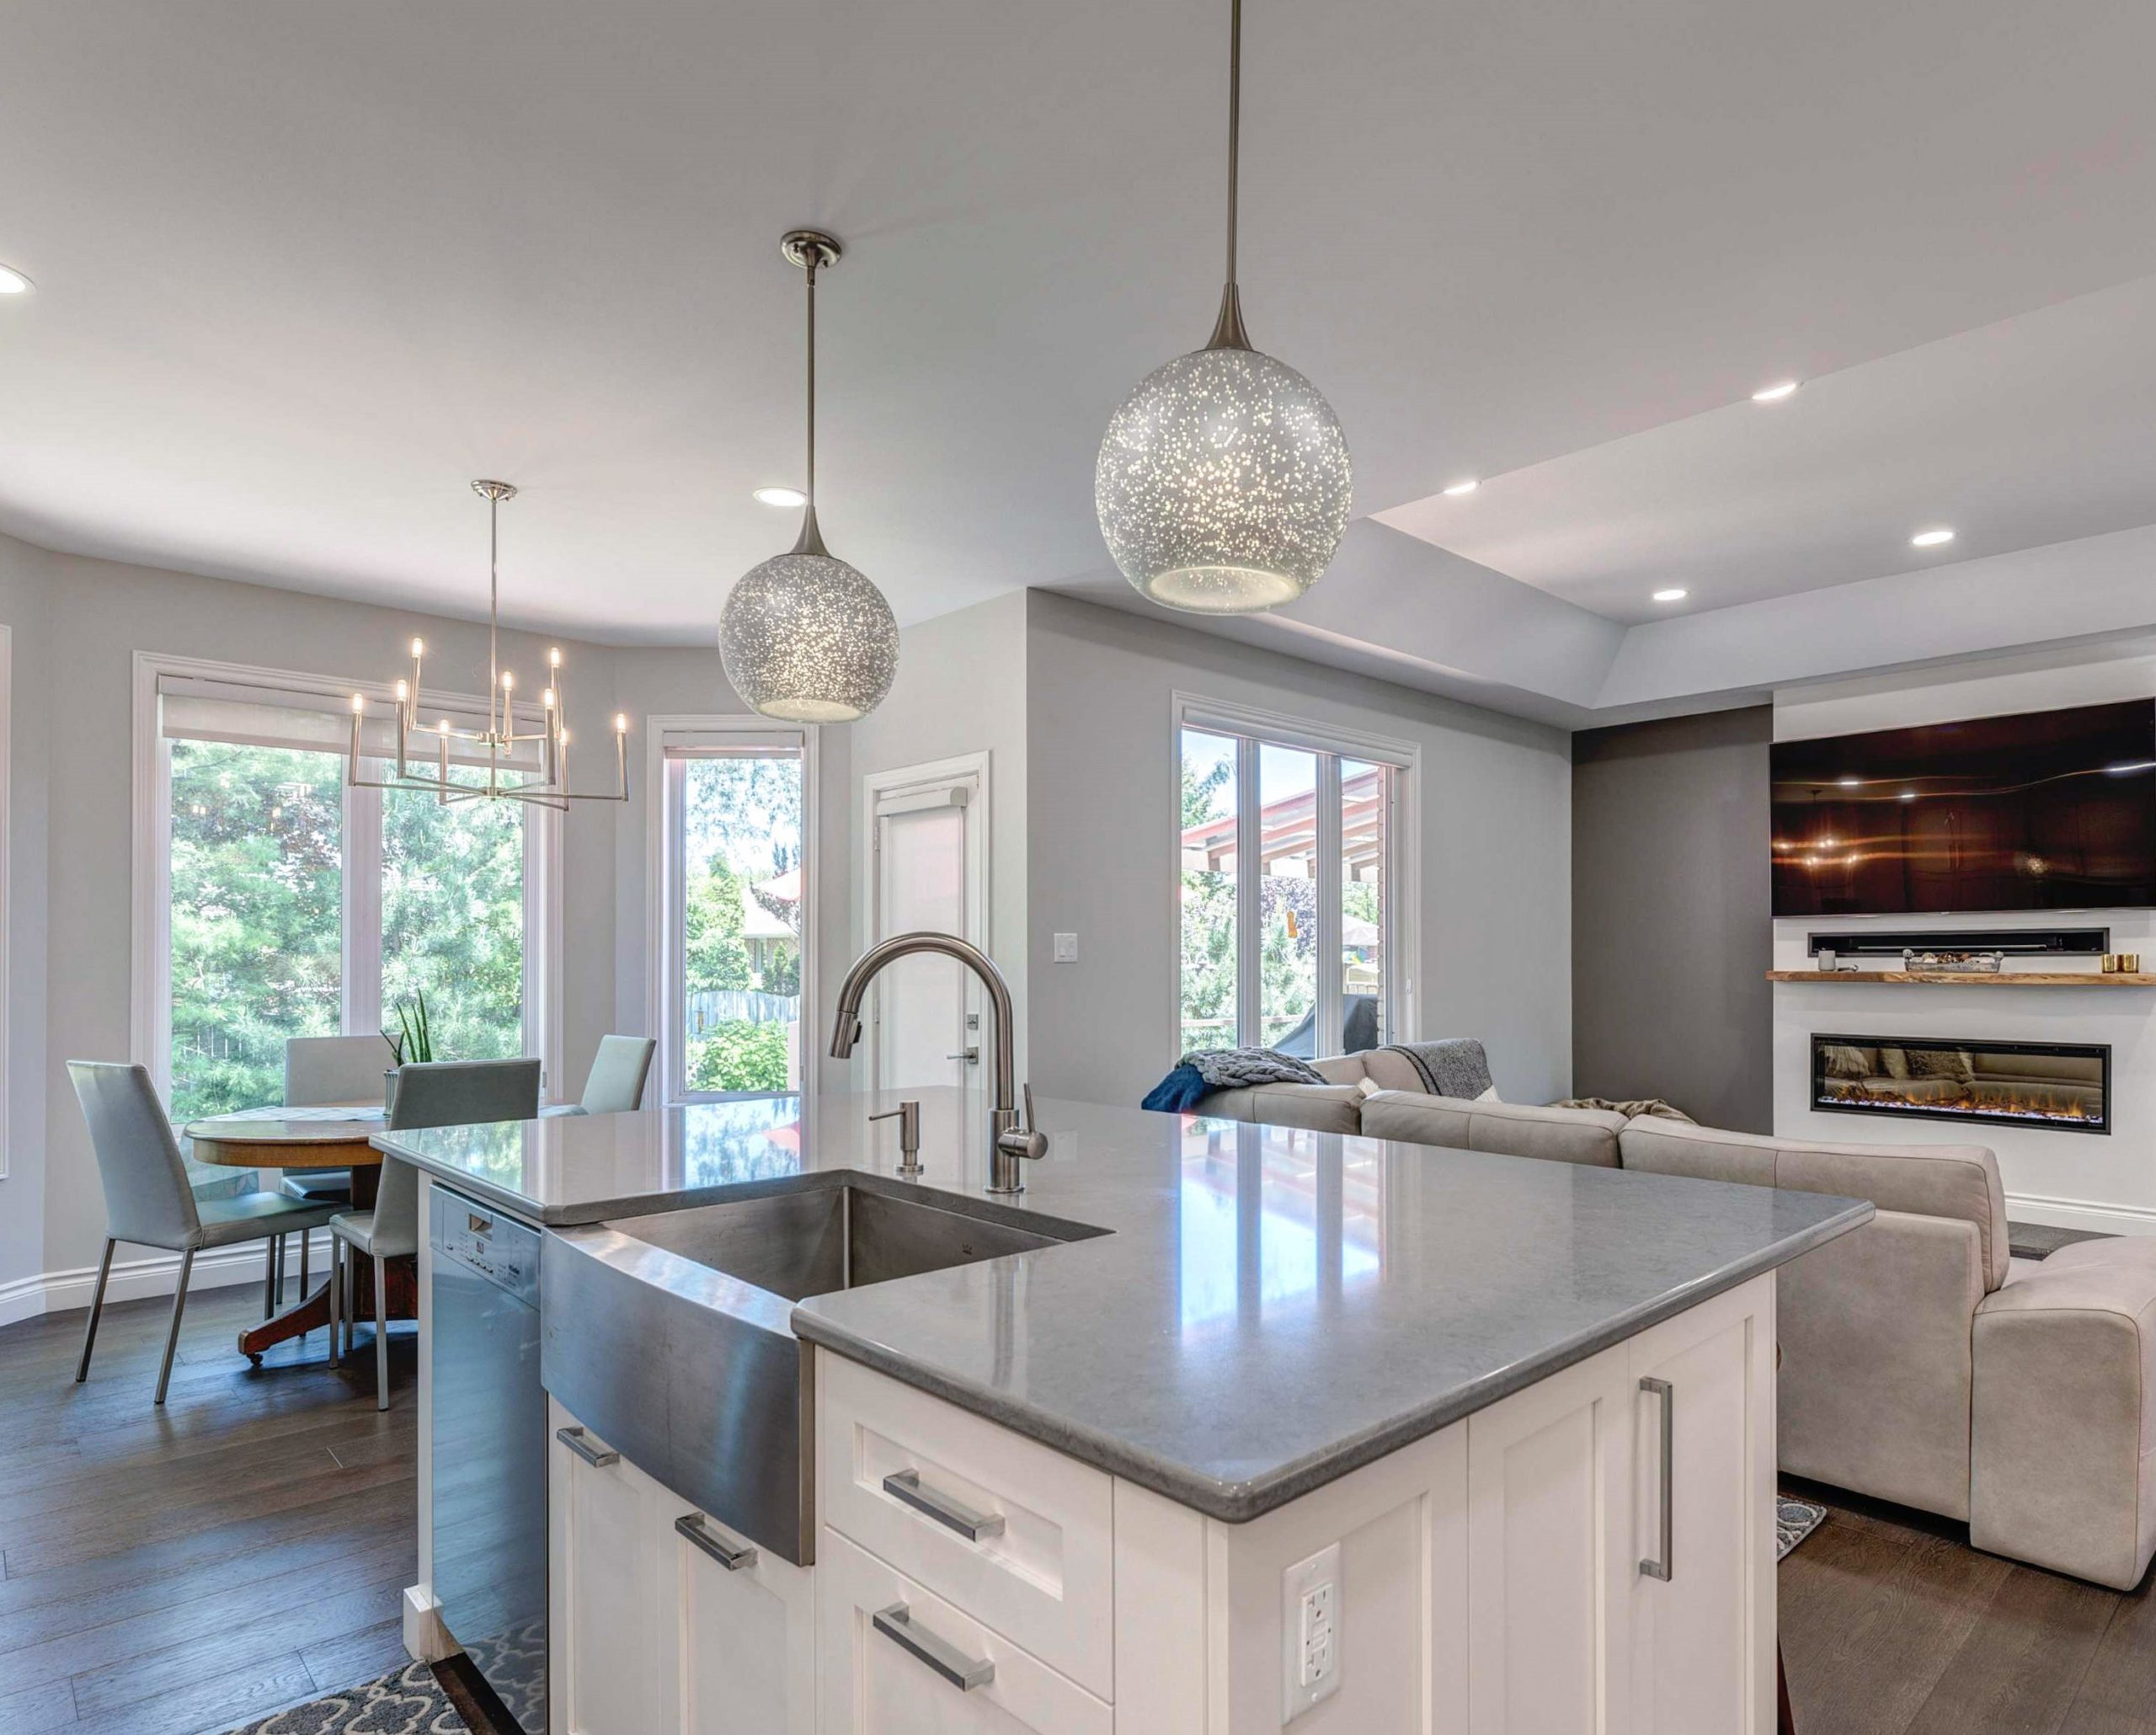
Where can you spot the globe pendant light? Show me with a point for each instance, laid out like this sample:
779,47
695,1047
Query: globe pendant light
1223,484
805,637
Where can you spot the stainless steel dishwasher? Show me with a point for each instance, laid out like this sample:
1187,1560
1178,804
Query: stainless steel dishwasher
489,1438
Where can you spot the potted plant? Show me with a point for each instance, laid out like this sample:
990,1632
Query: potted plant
413,1040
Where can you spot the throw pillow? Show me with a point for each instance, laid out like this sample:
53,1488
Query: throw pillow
1367,1086
1490,1095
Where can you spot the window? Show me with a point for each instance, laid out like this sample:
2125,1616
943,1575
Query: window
282,903
736,911
1286,846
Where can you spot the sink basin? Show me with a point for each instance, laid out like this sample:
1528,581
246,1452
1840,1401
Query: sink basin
828,1238
669,1336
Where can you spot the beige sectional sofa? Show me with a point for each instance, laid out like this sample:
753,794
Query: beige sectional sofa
1921,1364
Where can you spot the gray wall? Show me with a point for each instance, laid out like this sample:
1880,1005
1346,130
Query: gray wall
1672,927
1496,815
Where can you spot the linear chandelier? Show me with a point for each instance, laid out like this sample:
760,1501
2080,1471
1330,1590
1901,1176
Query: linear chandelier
428,769
1223,484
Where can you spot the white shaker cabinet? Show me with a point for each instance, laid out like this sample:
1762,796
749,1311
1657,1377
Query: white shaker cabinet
662,1619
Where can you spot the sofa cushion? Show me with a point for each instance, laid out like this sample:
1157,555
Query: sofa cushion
1576,1136
1924,1180
1323,1108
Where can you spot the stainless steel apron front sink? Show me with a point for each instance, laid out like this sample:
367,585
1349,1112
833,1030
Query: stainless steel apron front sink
670,1335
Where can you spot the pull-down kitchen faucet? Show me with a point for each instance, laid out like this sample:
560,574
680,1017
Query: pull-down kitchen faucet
1011,1141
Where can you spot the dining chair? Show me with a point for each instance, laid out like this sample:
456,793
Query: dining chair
436,1094
615,1084
147,1200
320,1071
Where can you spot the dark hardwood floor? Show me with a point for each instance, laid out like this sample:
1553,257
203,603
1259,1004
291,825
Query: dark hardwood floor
1893,1625
168,1571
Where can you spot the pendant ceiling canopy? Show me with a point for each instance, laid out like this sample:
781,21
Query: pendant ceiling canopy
804,636
1223,484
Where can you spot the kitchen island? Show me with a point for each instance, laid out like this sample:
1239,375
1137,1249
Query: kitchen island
1320,1430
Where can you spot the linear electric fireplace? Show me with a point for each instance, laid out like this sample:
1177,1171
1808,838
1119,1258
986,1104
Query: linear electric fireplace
2063,1086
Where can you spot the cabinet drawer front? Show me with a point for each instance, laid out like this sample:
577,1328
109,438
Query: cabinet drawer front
1018,1536
747,1632
608,1581
876,1684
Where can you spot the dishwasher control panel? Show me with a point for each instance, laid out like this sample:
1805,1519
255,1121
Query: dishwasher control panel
500,1249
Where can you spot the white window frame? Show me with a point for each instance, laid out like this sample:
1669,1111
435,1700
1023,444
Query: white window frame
150,986
663,908
1400,933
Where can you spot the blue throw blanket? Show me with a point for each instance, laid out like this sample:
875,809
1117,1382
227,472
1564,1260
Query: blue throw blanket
1204,1070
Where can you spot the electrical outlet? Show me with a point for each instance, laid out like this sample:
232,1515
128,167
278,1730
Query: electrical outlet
1310,1632
1066,948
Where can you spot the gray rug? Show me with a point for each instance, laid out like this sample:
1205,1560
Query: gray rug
1794,1520
408,1702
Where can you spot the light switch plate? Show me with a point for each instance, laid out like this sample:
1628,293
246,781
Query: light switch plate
1310,1650
1066,948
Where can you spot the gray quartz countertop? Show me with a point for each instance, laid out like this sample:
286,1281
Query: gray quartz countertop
1272,1308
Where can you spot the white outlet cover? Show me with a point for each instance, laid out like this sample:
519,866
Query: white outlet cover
1066,948
1311,1648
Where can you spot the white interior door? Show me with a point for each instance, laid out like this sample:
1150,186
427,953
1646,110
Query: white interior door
927,875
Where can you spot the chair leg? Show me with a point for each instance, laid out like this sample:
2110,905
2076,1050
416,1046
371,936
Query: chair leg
336,1298
269,1276
179,1306
96,1307
306,1236
380,1332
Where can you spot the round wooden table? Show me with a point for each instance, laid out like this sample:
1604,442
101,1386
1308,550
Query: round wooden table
331,1137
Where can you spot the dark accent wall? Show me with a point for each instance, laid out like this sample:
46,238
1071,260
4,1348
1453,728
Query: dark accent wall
1672,928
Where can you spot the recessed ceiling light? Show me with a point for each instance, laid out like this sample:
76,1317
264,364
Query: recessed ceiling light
1930,538
12,282
782,497
1467,487
1775,393
1908,795
1673,594
1850,782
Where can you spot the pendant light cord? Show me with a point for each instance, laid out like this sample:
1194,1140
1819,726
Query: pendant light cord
493,600
812,538
1228,332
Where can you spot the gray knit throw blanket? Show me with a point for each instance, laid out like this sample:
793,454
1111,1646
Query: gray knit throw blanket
1238,1069
1452,1066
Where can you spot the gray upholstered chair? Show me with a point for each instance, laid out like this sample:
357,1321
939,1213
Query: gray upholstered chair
615,1084
439,1093
321,1071
147,1201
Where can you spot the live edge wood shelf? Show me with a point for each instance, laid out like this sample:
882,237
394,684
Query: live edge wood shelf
1970,979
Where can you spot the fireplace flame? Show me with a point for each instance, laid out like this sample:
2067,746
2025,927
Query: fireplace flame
2004,1102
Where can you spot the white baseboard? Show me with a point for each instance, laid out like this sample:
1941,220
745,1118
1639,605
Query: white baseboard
135,1279
426,1639
2081,1214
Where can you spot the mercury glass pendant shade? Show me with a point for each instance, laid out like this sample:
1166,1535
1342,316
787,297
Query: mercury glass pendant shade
805,637
1223,484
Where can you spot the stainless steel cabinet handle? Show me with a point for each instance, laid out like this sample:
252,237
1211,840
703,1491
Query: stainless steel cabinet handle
1665,1564
897,1623
691,1525
905,1485
577,1442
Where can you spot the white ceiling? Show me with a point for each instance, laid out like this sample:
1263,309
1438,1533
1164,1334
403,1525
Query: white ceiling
304,269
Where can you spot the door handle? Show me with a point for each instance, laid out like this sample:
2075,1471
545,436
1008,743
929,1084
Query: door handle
1663,1565
971,1056
690,1525
579,1441
897,1623
906,1485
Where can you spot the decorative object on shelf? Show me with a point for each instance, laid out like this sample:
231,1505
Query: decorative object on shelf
1974,963
1223,484
500,738
805,637
1827,958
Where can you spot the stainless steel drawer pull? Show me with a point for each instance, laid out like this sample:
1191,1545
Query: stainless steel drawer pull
896,1624
691,1525
905,1485
1664,1564
597,1457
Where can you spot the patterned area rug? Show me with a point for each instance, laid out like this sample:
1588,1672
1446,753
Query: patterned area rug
407,1702
1794,1520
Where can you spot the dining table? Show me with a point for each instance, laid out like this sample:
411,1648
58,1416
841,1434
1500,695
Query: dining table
327,1136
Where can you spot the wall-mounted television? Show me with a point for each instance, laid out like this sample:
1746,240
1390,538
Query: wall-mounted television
2047,810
